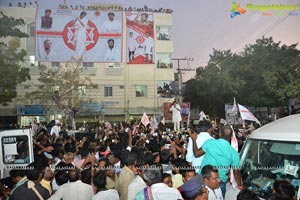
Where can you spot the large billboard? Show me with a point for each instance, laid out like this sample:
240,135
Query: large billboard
75,35
140,38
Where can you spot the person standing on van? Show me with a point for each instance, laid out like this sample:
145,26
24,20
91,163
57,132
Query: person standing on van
176,116
220,154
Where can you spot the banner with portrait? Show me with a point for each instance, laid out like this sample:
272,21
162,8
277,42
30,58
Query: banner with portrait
140,38
78,35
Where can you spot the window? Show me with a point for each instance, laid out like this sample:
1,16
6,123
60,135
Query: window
55,64
87,64
163,61
163,32
113,65
141,91
81,90
15,149
108,91
30,29
32,61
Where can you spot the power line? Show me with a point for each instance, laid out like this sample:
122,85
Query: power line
179,71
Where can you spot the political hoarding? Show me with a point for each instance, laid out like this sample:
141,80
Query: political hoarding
140,38
64,35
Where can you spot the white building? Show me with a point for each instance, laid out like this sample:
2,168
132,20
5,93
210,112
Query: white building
123,89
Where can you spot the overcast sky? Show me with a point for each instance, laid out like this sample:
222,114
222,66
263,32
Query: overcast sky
201,25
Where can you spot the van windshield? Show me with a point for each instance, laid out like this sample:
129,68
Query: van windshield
15,149
266,161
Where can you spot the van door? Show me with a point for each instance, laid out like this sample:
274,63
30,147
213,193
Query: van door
16,150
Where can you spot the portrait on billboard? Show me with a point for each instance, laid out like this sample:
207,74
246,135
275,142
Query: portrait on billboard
78,36
140,38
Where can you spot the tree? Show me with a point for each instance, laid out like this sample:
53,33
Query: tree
63,87
264,74
11,72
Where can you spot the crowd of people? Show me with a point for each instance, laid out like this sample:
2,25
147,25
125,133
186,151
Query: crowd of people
130,161
95,7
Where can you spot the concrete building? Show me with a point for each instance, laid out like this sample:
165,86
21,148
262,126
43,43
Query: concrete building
123,90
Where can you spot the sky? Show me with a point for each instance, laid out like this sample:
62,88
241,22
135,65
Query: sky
199,26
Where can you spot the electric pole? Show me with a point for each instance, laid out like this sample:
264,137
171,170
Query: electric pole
179,72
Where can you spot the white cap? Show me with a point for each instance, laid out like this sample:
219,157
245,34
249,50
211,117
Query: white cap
57,121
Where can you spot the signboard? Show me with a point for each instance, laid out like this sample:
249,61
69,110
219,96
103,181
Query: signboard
82,35
140,38
91,108
31,110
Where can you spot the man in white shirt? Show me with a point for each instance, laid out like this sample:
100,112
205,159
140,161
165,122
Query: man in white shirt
176,115
111,53
75,190
205,128
99,181
156,189
212,181
46,53
137,184
55,129
111,25
131,46
148,48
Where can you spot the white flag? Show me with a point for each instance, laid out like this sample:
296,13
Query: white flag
246,114
235,145
234,107
145,120
202,116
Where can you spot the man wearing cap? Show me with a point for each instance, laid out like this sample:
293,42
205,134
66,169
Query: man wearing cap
111,25
194,188
56,128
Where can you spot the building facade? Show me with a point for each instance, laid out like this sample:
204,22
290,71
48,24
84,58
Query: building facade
123,89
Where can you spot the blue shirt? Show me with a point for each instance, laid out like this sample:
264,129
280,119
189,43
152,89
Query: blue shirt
220,154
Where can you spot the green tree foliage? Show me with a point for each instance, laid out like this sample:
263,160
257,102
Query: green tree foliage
264,74
61,87
11,71
9,26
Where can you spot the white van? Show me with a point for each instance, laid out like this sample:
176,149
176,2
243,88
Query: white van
16,150
270,153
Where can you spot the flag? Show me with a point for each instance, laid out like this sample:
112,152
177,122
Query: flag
108,125
235,145
163,121
145,120
73,125
153,124
188,120
234,107
246,114
223,121
202,116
